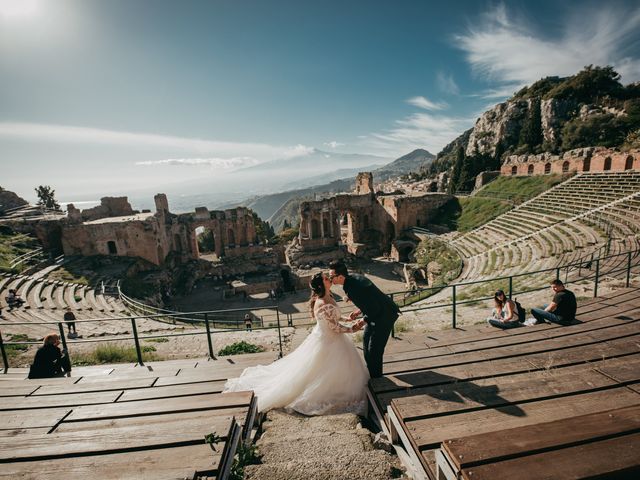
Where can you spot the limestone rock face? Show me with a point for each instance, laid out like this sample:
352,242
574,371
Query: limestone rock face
554,113
10,200
501,124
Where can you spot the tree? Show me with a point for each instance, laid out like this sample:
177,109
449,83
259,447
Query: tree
46,197
456,170
531,132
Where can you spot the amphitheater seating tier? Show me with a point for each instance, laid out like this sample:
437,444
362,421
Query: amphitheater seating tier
566,223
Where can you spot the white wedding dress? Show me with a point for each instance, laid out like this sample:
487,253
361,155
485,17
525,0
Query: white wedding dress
324,375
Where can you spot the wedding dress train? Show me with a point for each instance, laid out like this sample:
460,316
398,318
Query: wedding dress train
324,375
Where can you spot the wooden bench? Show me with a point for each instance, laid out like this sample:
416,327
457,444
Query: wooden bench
587,446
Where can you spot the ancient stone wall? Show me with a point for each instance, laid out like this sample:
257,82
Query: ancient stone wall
109,207
592,159
365,223
154,236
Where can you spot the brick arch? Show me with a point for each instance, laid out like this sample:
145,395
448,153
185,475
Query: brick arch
586,164
628,163
607,164
547,168
565,166
530,169
514,170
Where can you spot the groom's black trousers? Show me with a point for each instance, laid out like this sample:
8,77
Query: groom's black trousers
374,340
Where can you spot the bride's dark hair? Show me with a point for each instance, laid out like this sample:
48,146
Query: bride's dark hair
317,289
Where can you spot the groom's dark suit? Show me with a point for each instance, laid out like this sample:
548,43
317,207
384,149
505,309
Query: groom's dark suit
380,313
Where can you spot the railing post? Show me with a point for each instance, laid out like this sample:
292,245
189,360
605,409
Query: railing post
135,338
64,341
279,334
628,268
595,287
453,301
510,287
4,355
558,273
206,323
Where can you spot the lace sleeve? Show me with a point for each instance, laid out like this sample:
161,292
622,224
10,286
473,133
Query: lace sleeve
331,314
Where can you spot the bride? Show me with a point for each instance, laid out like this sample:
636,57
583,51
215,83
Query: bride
324,375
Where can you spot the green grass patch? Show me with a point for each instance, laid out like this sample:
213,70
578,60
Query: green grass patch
519,189
433,250
12,246
500,196
107,353
239,348
157,340
13,350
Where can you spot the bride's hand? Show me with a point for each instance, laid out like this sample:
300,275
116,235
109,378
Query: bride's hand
353,315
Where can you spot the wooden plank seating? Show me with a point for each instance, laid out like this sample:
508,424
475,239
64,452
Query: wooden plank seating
483,381
520,452
117,422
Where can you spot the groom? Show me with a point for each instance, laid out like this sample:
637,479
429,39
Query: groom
380,313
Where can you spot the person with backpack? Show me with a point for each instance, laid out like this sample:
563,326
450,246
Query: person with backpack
506,313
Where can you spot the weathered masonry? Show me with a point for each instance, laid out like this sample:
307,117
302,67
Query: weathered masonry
367,223
113,228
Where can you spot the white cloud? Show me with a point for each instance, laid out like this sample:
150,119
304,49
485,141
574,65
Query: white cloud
425,103
214,148
419,130
511,53
333,144
447,84
217,163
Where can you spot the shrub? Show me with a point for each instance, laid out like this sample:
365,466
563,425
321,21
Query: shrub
157,340
108,353
240,347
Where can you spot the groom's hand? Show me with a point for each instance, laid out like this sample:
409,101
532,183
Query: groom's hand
353,315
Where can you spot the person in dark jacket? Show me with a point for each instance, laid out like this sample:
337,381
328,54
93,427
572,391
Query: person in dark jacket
378,310
50,361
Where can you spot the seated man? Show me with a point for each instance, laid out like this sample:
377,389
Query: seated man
561,310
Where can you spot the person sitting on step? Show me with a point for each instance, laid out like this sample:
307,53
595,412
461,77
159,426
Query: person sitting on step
561,310
50,361
13,299
505,313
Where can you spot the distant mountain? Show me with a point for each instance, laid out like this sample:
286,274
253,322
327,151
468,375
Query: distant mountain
314,164
411,162
328,177
283,206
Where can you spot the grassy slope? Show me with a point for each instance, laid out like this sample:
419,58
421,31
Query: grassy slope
466,213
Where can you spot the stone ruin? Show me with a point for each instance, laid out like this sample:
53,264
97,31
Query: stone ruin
589,159
114,228
363,223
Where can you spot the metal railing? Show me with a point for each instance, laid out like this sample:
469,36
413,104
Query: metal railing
595,268
617,264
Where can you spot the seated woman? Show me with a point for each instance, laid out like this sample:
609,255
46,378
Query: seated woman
505,313
50,361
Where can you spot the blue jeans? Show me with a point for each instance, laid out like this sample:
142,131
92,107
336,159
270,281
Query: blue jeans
541,315
504,325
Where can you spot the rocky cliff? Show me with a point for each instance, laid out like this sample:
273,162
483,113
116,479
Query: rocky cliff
10,200
591,108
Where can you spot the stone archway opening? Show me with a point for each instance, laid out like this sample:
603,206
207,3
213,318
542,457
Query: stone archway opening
607,164
628,163
205,243
586,165
547,168
514,170
565,166
530,169
112,248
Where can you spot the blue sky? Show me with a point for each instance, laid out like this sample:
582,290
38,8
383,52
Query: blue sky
114,97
